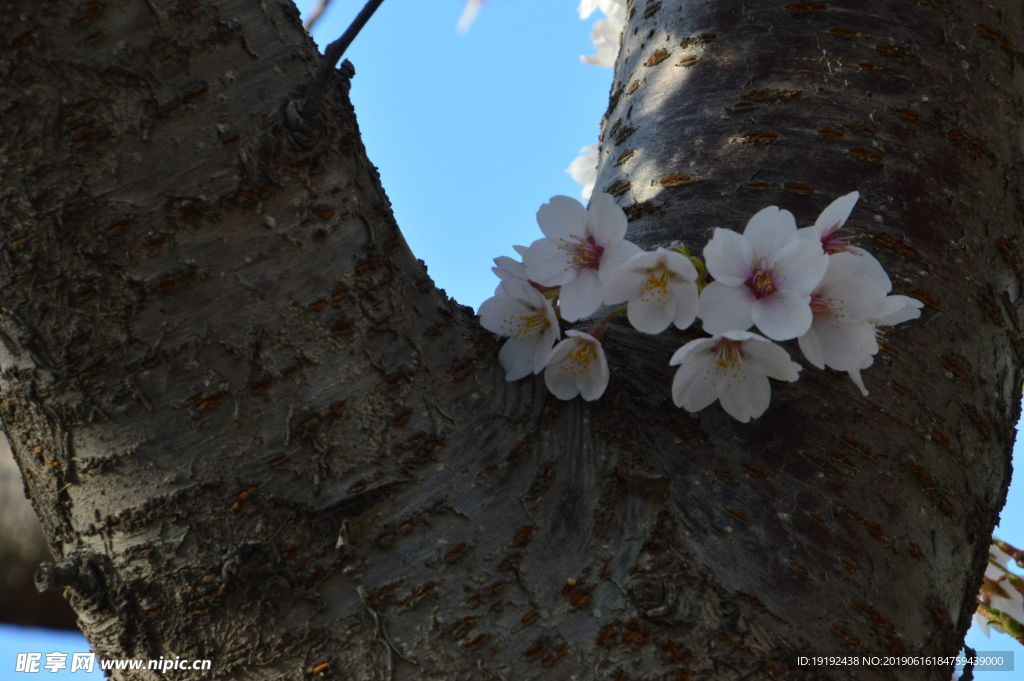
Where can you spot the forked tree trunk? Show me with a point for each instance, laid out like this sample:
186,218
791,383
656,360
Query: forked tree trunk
256,432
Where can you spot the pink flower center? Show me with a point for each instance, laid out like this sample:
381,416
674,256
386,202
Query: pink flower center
821,306
833,244
586,253
761,282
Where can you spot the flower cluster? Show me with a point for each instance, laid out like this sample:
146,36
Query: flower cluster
807,284
1001,600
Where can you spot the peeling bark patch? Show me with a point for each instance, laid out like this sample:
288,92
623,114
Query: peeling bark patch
806,8
675,180
993,33
625,156
800,188
618,188
866,154
658,56
901,248
651,9
687,61
702,39
908,115
843,32
799,568
830,133
758,137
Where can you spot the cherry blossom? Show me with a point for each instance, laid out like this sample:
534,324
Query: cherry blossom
764,276
580,248
583,169
826,228
522,313
844,305
660,288
732,368
577,366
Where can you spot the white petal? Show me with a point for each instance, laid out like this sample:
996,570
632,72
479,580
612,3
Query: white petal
800,266
606,37
542,349
835,215
517,357
728,257
499,313
748,397
810,345
507,268
694,347
583,169
594,382
899,309
870,267
468,15
770,231
562,217
623,282
651,313
725,308
547,264
557,377
521,250
607,221
693,387
685,294
586,8
782,315
840,266
617,254
678,264
770,359
519,290
847,346
581,297
854,375
852,300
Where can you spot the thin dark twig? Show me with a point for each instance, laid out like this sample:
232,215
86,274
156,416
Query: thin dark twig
334,51
315,14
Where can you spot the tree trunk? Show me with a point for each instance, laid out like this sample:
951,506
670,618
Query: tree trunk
255,432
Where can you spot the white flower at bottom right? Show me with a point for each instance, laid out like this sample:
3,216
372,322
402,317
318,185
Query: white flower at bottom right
732,368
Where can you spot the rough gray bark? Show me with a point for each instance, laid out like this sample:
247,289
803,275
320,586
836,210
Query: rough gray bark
256,432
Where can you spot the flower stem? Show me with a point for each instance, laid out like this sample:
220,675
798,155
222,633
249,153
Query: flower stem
598,329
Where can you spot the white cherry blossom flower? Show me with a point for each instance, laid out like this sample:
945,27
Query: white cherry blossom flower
732,368
522,313
577,366
580,248
611,8
826,230
764,276
583,169
660,288
844,305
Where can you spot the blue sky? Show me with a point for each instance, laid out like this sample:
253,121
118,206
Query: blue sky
472,133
